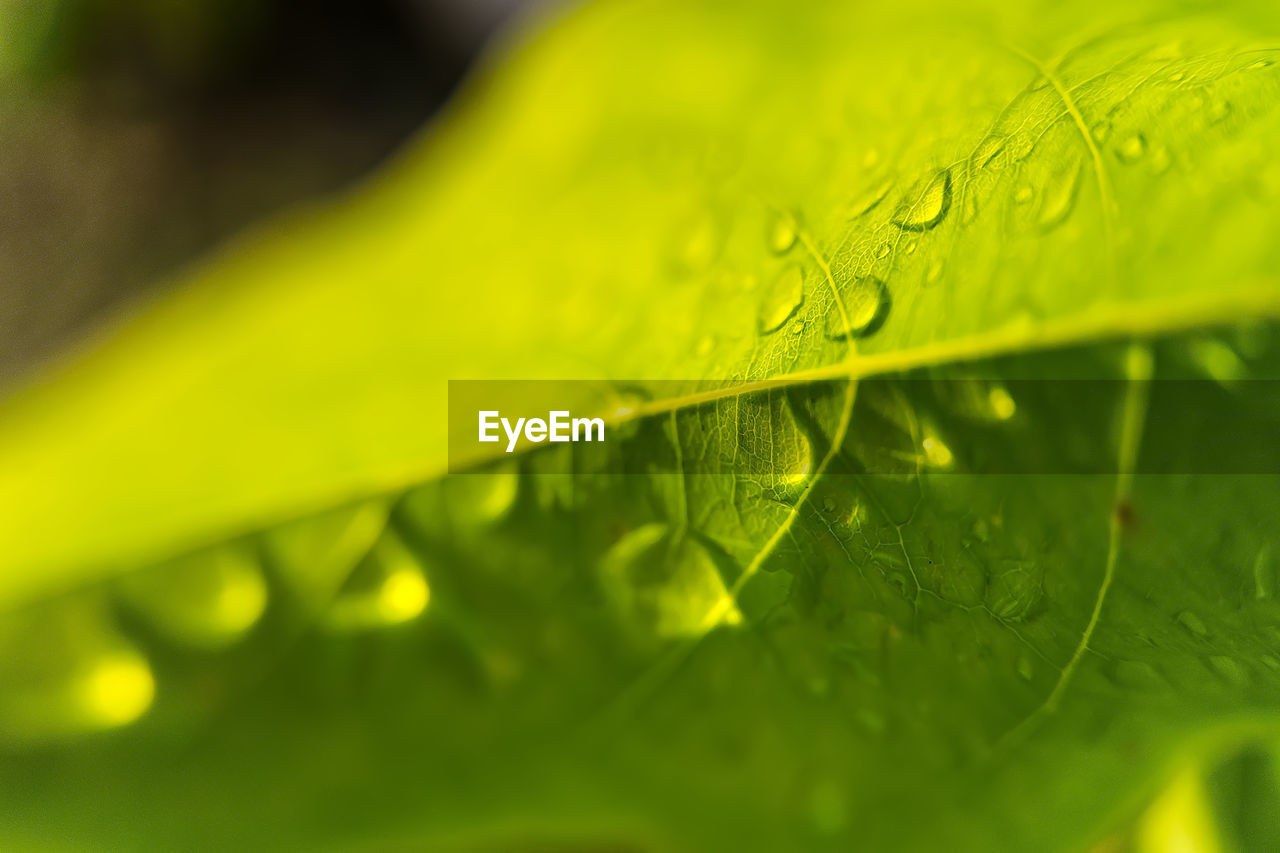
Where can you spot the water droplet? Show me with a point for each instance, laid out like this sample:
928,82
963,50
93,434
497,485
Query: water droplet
665,584
1024,194
1259,65
782,233
705,345
827,808
1138,674
1264,576
828,504
1132,148
782,300
1026,666
1001,403
1101,130
989,150
117,689
969,209
208,600
1059,197
1218,110
388,587
1230,669
926,204
865,202
936,453
1217,360
1160,160
883,251
1176,77
866,307
872,157
1192,623
625,400
934,272
66,671
910,248
700,244
484,496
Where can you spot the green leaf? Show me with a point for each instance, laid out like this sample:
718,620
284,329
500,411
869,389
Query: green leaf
841,265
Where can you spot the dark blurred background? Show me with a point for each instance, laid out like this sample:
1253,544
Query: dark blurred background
136,134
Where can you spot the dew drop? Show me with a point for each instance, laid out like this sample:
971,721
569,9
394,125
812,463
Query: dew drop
1230,669
484,496
1217,360
1026,666
969,209
936,453
910,248
705,345
866,306
926,204
1101,130
1218,110
1138,674
1002,405
665,584
883,251
1160,160
934,272
782,299
1264,576
1059,197
388,587
701,244
66,671
782,233
1024,194
1132,148
865,202
1193,623
208,600
117,689
827,809
828,504
1177,77
1259,65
